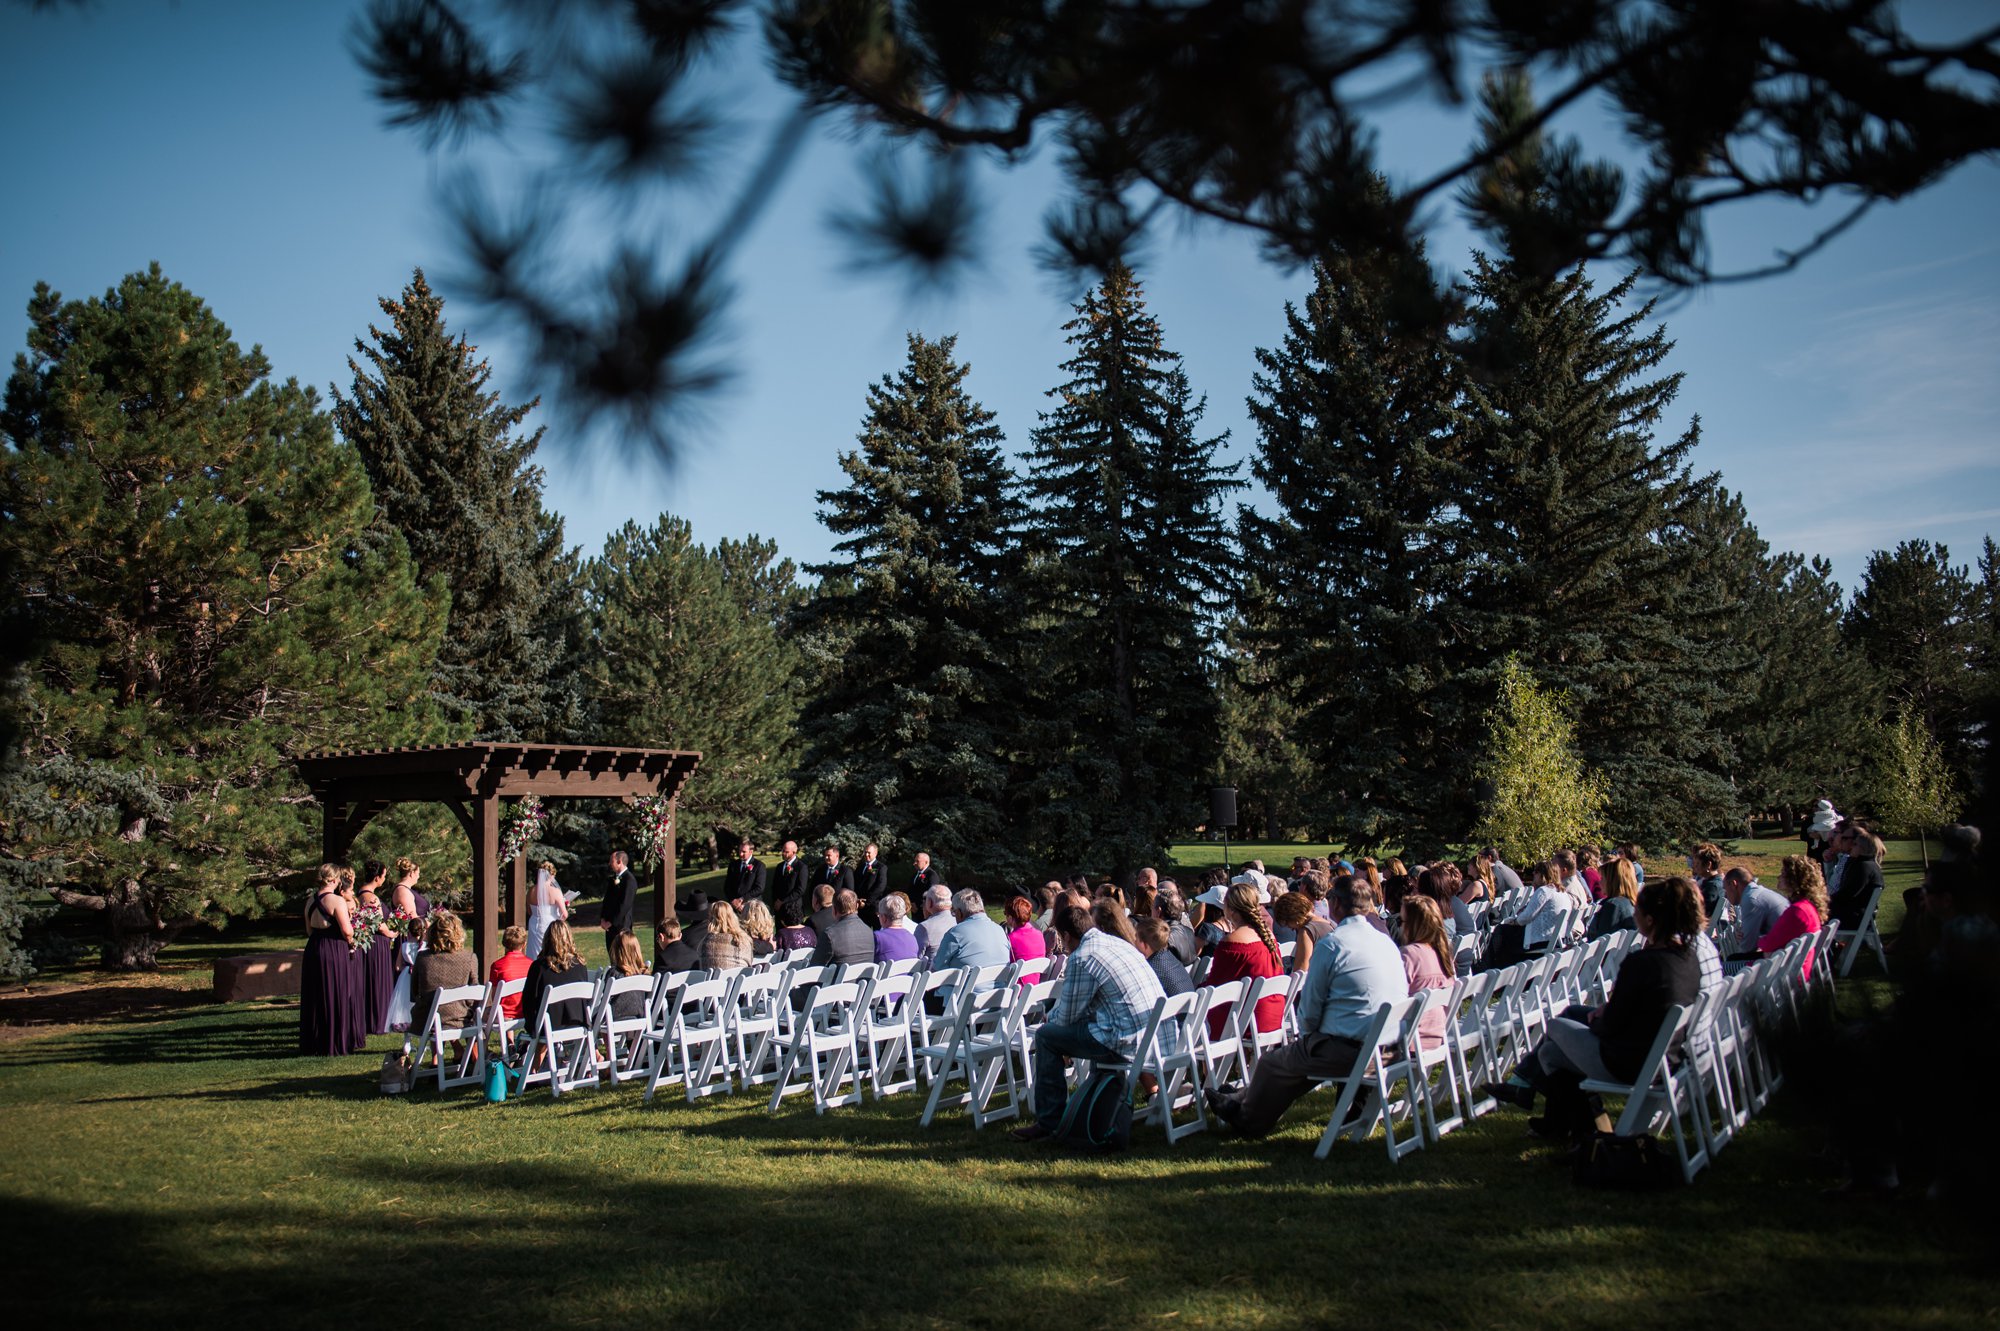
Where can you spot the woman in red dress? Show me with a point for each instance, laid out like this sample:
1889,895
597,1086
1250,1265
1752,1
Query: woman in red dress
1248,951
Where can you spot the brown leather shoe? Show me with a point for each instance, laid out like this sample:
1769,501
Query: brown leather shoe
1031,1132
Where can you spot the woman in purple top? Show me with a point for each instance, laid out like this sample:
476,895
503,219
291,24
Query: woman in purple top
793,931
892,941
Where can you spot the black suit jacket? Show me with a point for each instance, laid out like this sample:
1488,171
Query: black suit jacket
839,875
788,884
676,957
871,881
620,899
820,921
744,884
845,942
921,883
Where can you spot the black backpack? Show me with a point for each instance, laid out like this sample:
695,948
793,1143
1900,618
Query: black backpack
1098,1116
1640,1164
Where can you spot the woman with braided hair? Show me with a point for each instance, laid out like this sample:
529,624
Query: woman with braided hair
1249,951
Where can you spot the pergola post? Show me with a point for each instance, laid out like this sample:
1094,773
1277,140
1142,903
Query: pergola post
664,894
517,894
486,878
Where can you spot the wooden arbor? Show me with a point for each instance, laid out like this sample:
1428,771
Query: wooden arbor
471,780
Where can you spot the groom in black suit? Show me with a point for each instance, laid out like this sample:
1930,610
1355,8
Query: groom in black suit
619,899
744,882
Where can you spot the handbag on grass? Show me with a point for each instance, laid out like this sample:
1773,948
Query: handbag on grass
1607,1160
399,1072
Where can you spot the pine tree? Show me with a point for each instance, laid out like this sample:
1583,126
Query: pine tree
909,729
1359,558
1587,543
453,474
1132,558
188,545
1913,617
686,653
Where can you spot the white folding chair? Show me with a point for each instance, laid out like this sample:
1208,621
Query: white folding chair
1395,1062
1467,1040
657,1033
1863,935
1439,1059
1502,1033
751,1009
1358,1084
1167,1050
824,1047
469,1068
698,1040
1032,968
563,1056
1661,1091
502,1030
975,1043
885,1035
1256,1041
1222,1056
1033,1005
621,1038
928,1029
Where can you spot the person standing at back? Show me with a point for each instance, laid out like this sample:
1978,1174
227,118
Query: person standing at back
620,899
871,883
744,883
924,878
788,881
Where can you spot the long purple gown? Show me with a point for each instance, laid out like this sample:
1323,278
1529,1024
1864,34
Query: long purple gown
378,969
331,1015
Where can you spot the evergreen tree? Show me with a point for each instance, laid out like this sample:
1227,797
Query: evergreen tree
1914,618
1798,725
1277,779
908,731
453,474
1360,560
188,546
1132,558
687,654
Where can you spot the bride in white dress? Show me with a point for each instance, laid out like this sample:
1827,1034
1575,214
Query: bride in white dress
546,905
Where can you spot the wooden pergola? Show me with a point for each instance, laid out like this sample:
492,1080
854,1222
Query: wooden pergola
471,780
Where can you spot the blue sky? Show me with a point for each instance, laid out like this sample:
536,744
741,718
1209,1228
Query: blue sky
1854,403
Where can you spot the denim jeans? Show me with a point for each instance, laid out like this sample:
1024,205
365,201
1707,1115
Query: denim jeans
1054,1046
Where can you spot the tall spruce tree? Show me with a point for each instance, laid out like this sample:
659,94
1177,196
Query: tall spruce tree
453,473
686,653
1132,559
189,550
1914,617
1359,557
909,730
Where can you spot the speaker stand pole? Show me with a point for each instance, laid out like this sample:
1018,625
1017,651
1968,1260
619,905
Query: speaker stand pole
1225,852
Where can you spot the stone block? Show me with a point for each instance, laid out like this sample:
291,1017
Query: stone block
259,975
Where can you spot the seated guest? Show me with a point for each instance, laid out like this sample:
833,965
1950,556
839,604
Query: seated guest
1705,863
1293,911
847,940
974,940
444,964
1621,892
1153,935
1024,940
1107,998
625,962
892,941
822,914
727,947
1806,915
1860,877
1587,861
673,954
907,924
1753,909
1355,970
1209,929
794,934
763,930
558,964
1170,907
937,921
1613,1040
512,965
1247,952
1427,961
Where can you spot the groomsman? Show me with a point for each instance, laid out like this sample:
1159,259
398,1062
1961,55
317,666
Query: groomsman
871,882
620,898
788,880
745,879
838,876
926,877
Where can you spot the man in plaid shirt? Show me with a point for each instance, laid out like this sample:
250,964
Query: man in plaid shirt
1108,994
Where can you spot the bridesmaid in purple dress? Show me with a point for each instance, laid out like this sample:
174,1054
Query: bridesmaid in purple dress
330,978
378,963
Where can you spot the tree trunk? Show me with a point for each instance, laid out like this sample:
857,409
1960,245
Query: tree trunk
137,934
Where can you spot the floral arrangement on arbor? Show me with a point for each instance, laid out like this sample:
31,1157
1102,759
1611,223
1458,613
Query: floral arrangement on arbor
523,825
653,825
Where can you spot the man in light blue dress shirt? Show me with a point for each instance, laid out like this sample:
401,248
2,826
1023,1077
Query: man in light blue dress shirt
1354,971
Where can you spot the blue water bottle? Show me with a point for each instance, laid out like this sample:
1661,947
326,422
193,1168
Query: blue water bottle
496,1081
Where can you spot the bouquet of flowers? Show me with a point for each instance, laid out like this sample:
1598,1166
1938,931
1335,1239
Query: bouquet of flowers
404,925
522,827
653,823
366,919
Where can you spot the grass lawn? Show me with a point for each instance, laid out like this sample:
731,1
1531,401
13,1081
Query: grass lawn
186,1166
